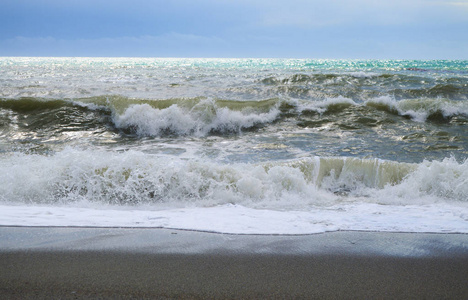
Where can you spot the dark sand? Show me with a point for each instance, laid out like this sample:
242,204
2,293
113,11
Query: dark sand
158,263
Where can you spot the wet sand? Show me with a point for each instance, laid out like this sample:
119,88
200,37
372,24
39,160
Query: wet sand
72,263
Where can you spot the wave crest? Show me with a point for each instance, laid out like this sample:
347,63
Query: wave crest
421,110
132,177
204,118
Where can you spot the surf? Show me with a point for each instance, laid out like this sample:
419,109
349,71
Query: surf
133,178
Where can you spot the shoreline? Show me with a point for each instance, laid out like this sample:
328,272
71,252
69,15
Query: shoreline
61,262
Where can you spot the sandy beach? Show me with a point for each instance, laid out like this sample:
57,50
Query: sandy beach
46,262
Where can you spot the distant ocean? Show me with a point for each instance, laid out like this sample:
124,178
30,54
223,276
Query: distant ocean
249,146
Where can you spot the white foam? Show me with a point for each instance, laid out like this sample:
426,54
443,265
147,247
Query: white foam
432,181
72,176
363,74
323,105
134,177
199,121
420,109
237,219
130,189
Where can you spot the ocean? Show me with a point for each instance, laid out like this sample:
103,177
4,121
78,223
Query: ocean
243,146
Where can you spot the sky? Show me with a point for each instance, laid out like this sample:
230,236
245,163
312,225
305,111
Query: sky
335,29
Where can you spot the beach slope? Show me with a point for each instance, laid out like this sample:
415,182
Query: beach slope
45,262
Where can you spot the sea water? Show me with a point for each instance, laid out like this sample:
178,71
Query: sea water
248,146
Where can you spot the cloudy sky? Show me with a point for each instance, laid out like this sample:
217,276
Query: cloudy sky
394,29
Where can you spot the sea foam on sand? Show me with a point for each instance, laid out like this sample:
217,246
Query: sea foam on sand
236,219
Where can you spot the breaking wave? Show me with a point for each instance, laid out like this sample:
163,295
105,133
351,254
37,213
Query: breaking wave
419,110
132,178
204,118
